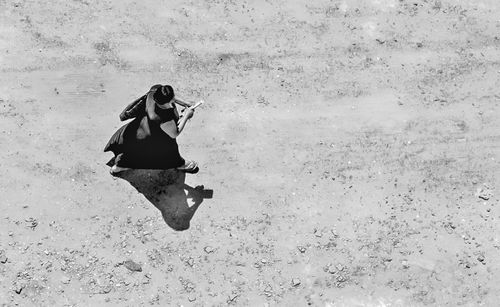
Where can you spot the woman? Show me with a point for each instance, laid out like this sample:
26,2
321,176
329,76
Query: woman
149,141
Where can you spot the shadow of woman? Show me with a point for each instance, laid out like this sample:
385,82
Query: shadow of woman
166,190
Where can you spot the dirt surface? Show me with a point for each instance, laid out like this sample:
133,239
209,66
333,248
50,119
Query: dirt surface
348,150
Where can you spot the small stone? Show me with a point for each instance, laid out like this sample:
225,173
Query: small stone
132,266
3,257
295,282
232,298
190,262
192,298
65,280
18,289
301,249
268,288
261,99
31,223
484,193
189,286
208,249
105,290
330,268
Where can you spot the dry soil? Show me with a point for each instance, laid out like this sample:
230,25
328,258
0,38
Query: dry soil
349,153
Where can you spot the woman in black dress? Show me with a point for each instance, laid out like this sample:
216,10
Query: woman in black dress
149,141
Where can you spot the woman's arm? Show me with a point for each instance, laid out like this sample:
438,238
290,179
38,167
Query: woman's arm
183,103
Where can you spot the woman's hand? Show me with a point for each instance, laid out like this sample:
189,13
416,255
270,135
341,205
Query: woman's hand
188,112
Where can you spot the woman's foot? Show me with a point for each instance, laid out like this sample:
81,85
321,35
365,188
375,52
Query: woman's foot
189,167
115,169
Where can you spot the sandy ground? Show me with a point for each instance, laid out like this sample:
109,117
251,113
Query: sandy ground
349,153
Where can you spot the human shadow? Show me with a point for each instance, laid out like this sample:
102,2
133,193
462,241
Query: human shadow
166,190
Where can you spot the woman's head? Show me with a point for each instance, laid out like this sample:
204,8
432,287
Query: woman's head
163,95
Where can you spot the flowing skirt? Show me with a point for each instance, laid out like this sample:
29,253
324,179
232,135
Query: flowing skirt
143,145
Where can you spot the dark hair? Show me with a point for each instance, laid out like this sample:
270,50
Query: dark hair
163,94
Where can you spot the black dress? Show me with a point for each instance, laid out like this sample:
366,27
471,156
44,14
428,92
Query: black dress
141,143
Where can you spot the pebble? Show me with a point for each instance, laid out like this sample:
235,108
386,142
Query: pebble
295,282
330,268
105,290
31,223
484,193
65,280
19,289
301,249
3,257
189,286
232,298
132,266
208,249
